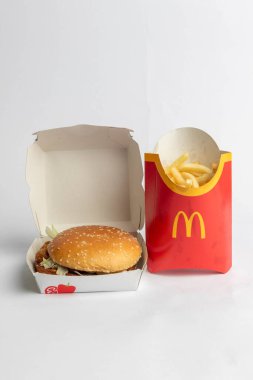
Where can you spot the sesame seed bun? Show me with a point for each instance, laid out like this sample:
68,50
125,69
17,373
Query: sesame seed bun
95,249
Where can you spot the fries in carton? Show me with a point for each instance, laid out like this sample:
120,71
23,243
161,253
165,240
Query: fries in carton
188,208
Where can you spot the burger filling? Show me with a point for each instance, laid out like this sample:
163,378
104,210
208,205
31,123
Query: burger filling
44,264
50,264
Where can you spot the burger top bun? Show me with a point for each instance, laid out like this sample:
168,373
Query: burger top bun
95,249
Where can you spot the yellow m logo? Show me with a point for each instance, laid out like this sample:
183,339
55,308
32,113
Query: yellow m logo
188,224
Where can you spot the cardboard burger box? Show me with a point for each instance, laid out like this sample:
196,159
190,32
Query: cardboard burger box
85,175
188,228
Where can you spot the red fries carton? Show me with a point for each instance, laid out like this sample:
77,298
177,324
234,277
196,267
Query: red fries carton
188,228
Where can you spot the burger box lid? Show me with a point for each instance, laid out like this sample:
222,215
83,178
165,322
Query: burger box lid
85,175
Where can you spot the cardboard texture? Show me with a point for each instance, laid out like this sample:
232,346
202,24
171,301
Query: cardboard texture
85,175
188,229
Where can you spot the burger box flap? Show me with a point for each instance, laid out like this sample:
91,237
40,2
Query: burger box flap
85,175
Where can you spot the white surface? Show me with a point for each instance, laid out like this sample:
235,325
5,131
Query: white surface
191,326
150,66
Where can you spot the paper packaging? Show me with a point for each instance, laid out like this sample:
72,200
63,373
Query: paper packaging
188,229
85,175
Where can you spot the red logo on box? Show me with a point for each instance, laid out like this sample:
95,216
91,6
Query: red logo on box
61,288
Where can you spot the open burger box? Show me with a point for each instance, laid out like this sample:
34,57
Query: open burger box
85,175
188,228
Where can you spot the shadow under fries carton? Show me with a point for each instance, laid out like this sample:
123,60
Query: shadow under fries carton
86,175
188,227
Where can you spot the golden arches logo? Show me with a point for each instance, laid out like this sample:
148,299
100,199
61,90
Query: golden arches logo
188,224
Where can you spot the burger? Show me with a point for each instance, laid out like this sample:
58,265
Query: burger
88,250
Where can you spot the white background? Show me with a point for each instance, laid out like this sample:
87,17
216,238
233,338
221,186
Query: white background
150,66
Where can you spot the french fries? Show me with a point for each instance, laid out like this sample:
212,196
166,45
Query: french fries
195,168
189,174
178,178
194,183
